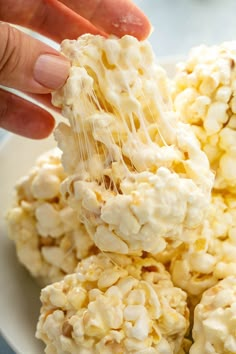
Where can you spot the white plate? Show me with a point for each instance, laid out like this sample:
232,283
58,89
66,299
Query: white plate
19,295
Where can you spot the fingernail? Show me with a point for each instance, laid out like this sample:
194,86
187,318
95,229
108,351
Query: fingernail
51,71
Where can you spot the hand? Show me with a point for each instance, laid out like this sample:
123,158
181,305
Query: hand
31,66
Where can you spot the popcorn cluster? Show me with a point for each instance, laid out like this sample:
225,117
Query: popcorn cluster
114,304
49,239
204,94
137,175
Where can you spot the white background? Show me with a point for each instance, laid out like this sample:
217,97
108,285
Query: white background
182,24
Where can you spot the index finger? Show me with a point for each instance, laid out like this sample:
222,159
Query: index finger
114,17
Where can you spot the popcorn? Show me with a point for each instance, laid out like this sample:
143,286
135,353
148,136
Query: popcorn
215,321
199,266
49,239
114,304
204,95
137,177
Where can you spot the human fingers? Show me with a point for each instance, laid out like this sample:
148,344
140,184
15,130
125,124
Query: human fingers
48,17
23,117
114,17
28,64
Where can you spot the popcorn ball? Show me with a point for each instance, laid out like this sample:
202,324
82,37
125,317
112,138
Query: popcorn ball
49,239
211,257
205,96
136,175
215,320
114,304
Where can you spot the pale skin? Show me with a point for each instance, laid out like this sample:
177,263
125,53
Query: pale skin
31,66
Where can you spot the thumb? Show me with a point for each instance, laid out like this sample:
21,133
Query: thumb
29,65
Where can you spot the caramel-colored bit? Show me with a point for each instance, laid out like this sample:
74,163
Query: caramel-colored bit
46,241
49,312
67,329
151,268
232,63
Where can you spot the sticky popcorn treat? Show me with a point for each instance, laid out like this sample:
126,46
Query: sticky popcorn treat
215,321
205,96
137,176
211,258
49,239
114,304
